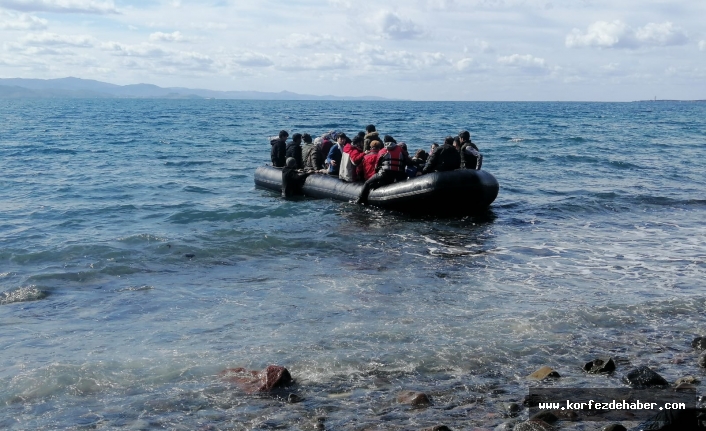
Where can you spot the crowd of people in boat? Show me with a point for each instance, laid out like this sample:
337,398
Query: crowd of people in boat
367,157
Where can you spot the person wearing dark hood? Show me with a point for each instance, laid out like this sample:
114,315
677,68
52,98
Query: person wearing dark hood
390,168
471,158
370,135
294,149
444,158
292,180
278,153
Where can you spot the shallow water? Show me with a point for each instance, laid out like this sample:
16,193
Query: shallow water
138,261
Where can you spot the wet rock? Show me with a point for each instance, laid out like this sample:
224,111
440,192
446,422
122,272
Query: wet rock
294,398
189,255
513,408
544,416
533,426
270,378
685,387
699,343
544,373
702,360
691,380
644,377
614,427
437,428
415,399
600,366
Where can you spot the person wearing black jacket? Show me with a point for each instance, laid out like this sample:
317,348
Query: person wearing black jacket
445,158
294,149
471,158
292,181
278,154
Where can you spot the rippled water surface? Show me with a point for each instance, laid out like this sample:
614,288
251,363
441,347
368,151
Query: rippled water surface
138,261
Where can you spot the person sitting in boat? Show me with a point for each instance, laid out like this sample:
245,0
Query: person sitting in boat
292,180
294,149
311,153
434,147
334,155
446,158
417,164
410,166
420,158
351,169
327,141
471,158
370,135
278,153
390,168
370,162
457,144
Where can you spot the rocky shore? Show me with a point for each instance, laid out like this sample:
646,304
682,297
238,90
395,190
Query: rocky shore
494,409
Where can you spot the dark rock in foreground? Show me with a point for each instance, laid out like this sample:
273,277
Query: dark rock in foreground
644,377
270,378
600,366
415,399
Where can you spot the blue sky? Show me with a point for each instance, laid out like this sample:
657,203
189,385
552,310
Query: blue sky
414,49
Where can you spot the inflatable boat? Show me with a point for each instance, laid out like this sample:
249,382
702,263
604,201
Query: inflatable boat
463,191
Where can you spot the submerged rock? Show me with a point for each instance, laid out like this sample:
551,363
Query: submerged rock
544,373
415,399
437,428
644,377
294,398
614,427
270,378
23,294
600,366
691,380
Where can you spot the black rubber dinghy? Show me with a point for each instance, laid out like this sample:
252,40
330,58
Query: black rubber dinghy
463,191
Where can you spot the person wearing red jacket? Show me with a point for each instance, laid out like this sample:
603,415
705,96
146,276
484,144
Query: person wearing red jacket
351,161
391,167
370,161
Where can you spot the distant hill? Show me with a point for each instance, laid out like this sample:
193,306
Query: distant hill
19,88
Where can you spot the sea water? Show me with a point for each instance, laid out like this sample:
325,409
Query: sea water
138,261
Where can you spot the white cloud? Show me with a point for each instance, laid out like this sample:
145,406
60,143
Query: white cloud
167,37
702,45
617,34
252,59
523,61
308,40
389,25
318,61
22,21
61,6
143,50
53,39
374,55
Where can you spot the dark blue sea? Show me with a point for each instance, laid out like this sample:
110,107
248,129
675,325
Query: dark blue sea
138,261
